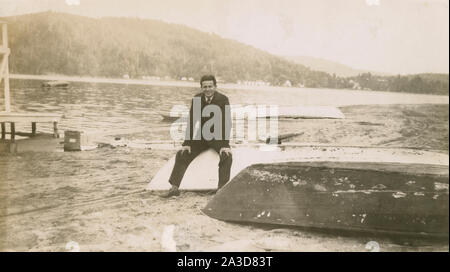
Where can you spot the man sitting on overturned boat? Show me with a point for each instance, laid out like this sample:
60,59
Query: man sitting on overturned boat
209,126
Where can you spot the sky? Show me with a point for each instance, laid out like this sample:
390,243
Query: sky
391,36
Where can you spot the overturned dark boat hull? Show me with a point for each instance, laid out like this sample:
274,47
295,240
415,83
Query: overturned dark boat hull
375,197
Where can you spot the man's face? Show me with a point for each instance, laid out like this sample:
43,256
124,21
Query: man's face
208,87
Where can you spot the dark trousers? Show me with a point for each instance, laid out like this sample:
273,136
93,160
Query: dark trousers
182,161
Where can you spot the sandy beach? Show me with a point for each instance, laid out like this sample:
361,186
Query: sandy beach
96,200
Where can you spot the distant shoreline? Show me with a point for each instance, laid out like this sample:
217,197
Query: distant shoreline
174,83
106,80
443,99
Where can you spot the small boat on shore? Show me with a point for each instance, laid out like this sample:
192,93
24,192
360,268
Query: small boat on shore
283,112
57,83
388,198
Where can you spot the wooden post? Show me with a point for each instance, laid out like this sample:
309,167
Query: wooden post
13,132
33,128
55,130
6,65
4,35
3,131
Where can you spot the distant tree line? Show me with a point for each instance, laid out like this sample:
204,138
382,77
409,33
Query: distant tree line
58,43
420,83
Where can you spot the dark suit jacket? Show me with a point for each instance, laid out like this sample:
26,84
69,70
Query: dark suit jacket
219,100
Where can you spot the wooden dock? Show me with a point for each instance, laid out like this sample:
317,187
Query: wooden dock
12,118
33,118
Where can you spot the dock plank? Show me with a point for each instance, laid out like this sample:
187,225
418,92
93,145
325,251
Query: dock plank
10,117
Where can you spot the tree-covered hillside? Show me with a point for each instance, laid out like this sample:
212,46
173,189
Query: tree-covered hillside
60,43
66,44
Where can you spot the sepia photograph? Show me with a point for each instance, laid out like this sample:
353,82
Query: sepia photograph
259,126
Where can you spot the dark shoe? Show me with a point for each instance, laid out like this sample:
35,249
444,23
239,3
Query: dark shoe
172,192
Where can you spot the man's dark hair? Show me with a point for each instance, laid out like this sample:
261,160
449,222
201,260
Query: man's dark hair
208,77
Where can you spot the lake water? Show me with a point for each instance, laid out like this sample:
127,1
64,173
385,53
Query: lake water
134,110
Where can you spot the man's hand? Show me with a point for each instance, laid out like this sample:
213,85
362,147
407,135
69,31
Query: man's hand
186,148
225,150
